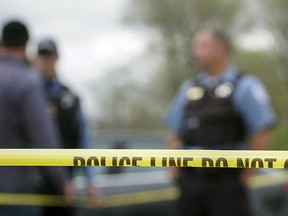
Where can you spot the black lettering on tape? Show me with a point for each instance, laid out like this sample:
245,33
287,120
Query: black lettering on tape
186,160
286,164
153,161
222,161
240,163
114,161
103,161
256,161
164,162
173,162
125,160
207,162
270,161
76,161
91,160
135,161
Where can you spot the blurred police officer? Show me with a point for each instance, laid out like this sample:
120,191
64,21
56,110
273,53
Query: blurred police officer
65,106
24,120
218,109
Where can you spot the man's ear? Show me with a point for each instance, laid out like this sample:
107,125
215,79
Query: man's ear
56,56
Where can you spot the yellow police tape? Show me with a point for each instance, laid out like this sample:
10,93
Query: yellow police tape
136,198
140,157
126,199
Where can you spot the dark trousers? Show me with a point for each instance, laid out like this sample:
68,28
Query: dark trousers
208,192
46,187
54,210
57,211
19,211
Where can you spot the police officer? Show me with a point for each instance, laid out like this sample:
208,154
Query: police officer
218,109
65,106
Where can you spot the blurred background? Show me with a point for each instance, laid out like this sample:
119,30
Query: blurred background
109,47
126,60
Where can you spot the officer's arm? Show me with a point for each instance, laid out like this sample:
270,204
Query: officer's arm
173,122
261,140
254,105
92,191
85,141
257,113
173,119
173,141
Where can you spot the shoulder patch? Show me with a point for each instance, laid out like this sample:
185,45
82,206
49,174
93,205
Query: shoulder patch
260,94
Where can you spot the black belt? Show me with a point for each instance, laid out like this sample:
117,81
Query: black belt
235,146
211,172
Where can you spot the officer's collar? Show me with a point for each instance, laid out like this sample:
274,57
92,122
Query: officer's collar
13,60
206,80
53,84
54,81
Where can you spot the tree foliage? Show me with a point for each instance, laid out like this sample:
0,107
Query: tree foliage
171,25
174,23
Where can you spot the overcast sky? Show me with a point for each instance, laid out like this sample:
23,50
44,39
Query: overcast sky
91,36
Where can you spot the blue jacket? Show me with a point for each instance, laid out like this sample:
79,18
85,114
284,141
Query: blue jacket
24,123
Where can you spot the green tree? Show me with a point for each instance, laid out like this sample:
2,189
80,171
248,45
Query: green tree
172,24
274,18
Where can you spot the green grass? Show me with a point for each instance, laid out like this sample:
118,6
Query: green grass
280,138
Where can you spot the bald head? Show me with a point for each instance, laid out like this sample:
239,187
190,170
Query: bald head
210,48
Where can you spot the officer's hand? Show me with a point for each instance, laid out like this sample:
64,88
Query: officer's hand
95,197
245,176
68,192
